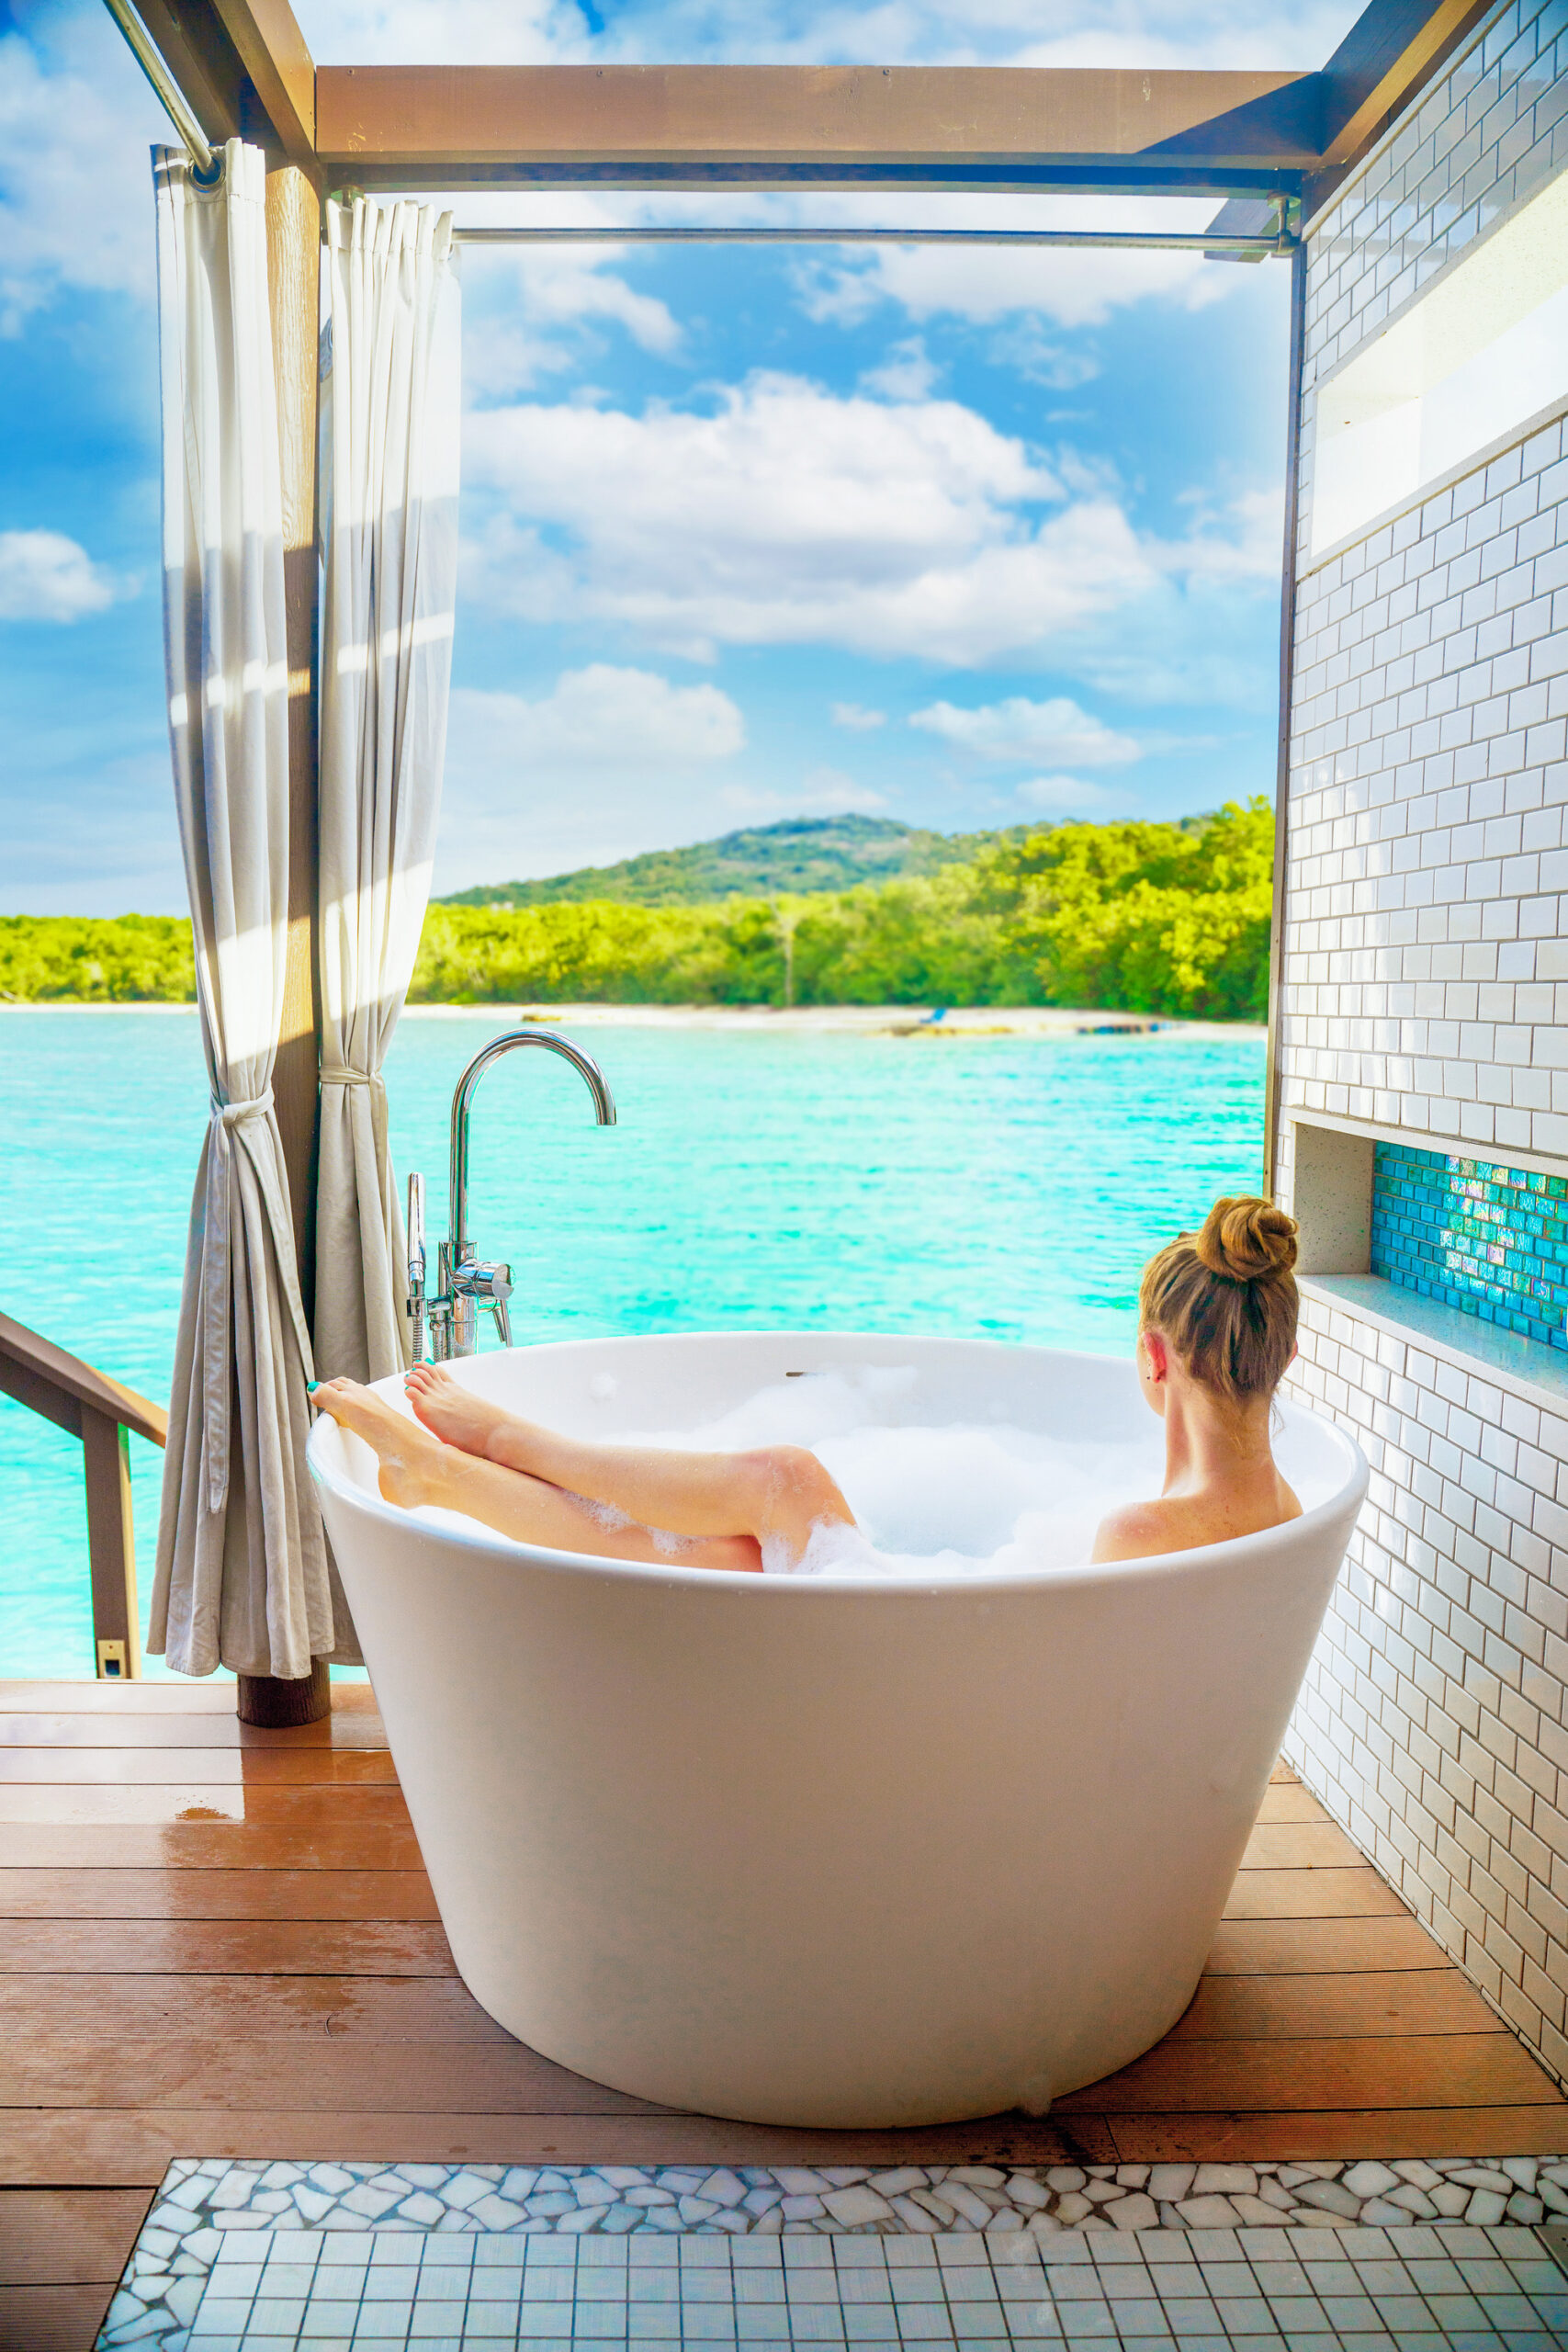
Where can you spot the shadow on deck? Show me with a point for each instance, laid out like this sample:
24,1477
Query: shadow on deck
220,1941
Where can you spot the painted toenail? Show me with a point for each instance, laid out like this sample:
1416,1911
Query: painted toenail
312,1386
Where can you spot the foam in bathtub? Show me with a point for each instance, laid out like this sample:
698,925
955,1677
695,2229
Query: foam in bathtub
961,1498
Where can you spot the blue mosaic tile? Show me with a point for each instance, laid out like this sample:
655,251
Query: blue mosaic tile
1491,1240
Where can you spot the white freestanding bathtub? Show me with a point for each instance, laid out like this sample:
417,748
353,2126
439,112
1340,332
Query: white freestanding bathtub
811,1850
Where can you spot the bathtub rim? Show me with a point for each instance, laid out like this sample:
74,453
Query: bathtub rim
328,1473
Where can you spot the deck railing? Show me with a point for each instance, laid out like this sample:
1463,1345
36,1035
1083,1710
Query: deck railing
100,1412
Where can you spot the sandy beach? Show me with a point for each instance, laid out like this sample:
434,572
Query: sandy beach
916,1022
901,1021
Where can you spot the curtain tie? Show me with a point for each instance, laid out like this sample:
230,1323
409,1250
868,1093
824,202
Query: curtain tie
231,1114
230,1146
333,1076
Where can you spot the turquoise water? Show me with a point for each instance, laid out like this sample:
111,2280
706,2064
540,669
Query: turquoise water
999,1188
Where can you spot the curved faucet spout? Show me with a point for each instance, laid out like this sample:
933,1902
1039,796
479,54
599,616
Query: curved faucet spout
587,1069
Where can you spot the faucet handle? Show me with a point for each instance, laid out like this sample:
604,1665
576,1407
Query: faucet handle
416,1233
488,1285
416,1301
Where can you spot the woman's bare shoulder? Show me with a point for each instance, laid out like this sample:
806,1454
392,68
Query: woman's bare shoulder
1137,1532
1181,1522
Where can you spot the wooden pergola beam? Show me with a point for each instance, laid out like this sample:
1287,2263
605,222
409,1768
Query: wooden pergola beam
1381,64
459,126
245,68
245,72
203,61
281,71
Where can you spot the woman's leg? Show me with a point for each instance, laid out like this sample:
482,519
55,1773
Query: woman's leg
773,1493
416,1467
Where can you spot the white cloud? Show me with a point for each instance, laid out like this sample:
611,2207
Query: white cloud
1080,32
1194,637
855,717
1243,539
1019,730
789,516
75,187
1298,33
906,373
985,284
470,32
825,792
1025,347
779,463
610,762
561,286
517,302
44,576
596,719
1060,796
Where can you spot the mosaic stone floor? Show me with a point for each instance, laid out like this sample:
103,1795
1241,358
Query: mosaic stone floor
266,2257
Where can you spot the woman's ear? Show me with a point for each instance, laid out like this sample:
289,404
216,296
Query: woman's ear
1155,1354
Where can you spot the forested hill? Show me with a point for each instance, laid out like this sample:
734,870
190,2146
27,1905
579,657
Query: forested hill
1171,919
802,854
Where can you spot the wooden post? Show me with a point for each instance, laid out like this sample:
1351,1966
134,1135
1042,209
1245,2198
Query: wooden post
294,273
111,1546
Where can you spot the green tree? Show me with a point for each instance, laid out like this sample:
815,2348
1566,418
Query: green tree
1148,917
75,959
1169,919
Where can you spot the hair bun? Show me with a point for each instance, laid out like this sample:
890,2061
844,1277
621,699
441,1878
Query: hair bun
1248,1239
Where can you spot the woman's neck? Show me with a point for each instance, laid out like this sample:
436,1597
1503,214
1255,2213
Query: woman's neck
1210,1442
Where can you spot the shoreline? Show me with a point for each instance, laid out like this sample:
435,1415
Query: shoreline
904,1021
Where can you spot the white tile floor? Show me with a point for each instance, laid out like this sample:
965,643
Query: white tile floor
1399,2289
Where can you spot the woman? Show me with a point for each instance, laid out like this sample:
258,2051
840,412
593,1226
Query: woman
1217,1317
1217,1333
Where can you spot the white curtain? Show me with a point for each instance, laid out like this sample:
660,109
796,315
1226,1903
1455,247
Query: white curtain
390,424
243,1577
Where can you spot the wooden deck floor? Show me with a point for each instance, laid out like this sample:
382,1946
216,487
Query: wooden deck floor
220,1941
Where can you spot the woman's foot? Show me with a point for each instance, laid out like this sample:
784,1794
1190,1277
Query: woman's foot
457,1416
408,1456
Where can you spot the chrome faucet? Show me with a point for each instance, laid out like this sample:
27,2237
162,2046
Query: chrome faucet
448,1323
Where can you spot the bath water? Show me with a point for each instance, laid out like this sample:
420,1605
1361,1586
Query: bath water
1004,1188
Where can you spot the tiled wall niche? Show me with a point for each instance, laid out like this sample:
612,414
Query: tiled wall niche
1490,1240
1423,1014
1332,1200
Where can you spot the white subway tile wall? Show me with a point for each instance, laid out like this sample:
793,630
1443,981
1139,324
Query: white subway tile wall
1430,722
1433,1723
1424,988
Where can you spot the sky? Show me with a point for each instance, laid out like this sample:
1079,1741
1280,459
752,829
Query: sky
961,537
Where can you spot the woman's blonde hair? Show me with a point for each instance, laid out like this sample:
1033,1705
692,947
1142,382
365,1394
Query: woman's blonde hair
1225,1298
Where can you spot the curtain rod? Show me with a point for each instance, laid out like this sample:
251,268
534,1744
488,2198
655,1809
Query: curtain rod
1108,240
170,96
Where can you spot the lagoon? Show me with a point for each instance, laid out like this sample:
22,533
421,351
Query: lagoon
993,1187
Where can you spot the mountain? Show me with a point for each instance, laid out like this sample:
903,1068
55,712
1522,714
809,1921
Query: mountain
799,855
